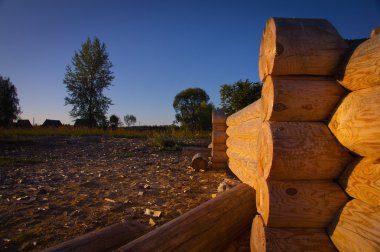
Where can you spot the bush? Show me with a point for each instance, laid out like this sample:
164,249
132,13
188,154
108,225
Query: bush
162,141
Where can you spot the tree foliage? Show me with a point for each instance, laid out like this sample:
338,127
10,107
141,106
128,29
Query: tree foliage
129,120
85,79
9,102
239,95
114,121
193,110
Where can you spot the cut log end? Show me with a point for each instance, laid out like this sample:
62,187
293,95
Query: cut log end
199,162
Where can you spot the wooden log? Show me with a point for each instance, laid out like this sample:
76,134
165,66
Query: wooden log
252,111
302,203
105,239
300,150
246,130
363,67
190,151
375,32
244,169
219,137
219,116
356,227
356,122
220,165
219,156
290,98
208,227
293,46
199,162
361,180
288,239
219,147
245,148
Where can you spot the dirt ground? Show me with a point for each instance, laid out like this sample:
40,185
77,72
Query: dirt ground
56,188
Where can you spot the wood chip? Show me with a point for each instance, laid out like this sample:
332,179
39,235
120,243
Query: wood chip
151,222
109,200
157,214
141,193
213,195
147,211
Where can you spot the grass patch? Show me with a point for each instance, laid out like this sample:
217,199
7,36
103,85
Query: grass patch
13,161
23,236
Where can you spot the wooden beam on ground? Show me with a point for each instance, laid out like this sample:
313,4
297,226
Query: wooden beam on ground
357,227
288,239
305,98
208,227
105,239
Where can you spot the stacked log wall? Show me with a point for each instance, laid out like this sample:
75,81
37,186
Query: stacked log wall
219,156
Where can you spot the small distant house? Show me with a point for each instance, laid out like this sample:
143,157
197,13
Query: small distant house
84,123
23,124
52,123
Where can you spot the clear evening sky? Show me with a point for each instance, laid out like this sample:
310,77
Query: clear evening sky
157,47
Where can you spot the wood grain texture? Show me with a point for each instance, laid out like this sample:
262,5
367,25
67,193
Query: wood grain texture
218,156
356,122
293,46
244,168
208,227
363,67
361,180
246,130
357,227
297,98
300,150
288,239
105,239
245,148
306,204
252,111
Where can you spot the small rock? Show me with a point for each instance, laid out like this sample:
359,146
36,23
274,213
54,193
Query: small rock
141,193
147,211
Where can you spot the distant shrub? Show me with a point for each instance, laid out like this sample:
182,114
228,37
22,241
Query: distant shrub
163,141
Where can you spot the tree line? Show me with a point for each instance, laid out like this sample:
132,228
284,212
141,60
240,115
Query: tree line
89,75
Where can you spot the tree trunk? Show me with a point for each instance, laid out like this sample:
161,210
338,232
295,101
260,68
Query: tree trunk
293,46
300,98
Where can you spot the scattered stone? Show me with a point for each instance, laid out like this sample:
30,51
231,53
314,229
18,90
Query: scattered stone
147,212
141,193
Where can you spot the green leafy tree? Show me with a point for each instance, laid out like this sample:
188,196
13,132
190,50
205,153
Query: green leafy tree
85,79
193,110
9,102
239,95
115,121
129,120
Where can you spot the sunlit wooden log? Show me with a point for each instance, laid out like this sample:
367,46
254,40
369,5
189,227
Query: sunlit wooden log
361,180
300,98
245,148
246,130
244,168
294,46
300,150
288,239
252,111
357,227
302,203
208,227
363,67
356,122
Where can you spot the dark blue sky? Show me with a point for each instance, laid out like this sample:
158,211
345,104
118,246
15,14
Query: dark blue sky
157,47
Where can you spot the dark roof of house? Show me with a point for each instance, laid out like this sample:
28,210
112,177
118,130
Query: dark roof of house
52,123
23,124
